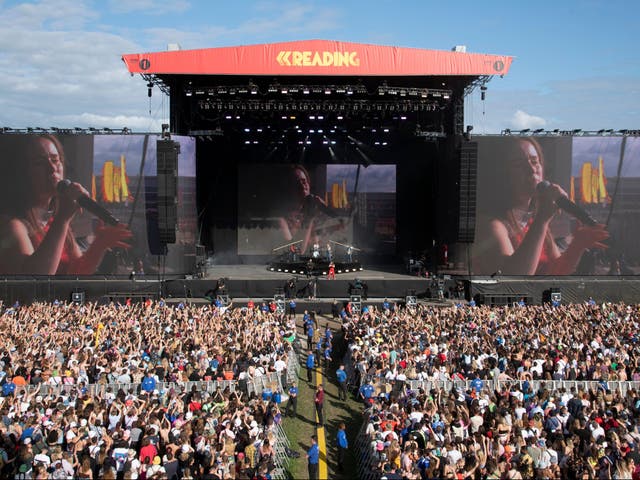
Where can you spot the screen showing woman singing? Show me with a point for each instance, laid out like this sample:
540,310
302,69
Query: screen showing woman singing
316,205
70,203
557,206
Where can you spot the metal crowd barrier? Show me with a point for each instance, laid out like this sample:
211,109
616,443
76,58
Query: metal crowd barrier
256,385
293,367
622,387
368,459
281,459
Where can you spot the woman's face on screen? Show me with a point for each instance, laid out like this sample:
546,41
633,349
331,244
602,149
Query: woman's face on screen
45,166
526,170
303,183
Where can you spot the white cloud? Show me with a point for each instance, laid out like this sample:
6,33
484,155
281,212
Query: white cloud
282,20
522,120
150,7
48,74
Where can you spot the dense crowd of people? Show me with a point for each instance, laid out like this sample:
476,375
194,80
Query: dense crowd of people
61,417
458,392
477,392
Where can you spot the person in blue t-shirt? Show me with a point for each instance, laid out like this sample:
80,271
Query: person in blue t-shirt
477,383
313,457
292,308
8,388
366,392
327,357
341,375
311,364
343,444
292,403
309,331
148,383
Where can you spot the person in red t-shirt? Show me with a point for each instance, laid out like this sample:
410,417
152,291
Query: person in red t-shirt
148,450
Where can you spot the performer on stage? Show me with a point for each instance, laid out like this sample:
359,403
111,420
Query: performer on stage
350,254
328,253
332,271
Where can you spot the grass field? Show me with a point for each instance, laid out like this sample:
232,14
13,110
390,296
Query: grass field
299,430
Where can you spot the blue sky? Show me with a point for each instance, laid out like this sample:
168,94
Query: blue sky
577,63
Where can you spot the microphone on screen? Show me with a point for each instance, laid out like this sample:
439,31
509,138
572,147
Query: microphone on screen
89,204
563,203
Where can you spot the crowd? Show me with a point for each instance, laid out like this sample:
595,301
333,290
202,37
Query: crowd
459,392
63,418
477,392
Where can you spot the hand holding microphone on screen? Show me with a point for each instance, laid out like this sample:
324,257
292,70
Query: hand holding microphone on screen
590,233
71,192
561,200
110,233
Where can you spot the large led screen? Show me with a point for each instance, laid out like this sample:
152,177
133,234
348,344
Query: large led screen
43,233
337,205
557,206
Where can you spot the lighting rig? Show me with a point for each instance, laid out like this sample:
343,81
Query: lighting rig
577,132
75,130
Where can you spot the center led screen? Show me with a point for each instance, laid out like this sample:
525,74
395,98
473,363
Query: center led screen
338,205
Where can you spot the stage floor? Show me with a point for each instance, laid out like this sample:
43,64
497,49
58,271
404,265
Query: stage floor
262,272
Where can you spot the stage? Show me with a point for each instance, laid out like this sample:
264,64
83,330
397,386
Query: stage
259,283
244,282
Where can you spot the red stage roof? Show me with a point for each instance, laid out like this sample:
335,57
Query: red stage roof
317,57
